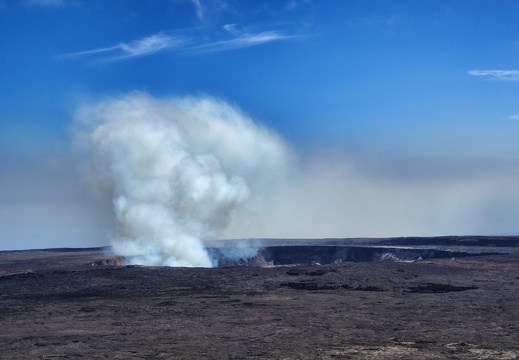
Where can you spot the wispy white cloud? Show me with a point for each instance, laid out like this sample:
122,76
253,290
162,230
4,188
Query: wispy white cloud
231,28
514,117
241,38
211,11
242,41
293,4
512,75
146,46
149,45
256,39
199,9
236,38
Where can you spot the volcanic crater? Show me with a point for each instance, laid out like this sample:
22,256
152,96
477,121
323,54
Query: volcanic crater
405,298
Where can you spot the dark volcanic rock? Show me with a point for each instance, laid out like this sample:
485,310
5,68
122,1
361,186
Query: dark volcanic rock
107,261
270,252
488,241
257,260
53,306
439,288
312,286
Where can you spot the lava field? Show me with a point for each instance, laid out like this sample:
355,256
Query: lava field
85,303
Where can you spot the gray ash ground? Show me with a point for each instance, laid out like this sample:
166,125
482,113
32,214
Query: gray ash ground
66,303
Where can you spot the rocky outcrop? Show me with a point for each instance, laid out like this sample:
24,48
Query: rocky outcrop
108,261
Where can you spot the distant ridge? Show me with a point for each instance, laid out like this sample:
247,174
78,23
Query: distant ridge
449,240
64,249
504,240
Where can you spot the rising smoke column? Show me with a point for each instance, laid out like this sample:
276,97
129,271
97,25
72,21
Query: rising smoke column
183,170
177,171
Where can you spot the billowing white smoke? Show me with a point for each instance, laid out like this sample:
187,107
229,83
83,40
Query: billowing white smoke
183,171
177,170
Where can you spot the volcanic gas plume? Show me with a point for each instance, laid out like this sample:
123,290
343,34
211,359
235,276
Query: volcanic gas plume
181,171
176,170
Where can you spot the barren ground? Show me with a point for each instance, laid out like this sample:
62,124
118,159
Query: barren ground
82,304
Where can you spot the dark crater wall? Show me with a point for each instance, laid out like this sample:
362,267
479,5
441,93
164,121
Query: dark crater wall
488,241
313,255
285,255
329,251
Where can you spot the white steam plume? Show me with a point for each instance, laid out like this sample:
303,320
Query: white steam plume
176,170
180,172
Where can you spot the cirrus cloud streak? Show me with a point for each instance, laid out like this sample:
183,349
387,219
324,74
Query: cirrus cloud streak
162,42
511,75
142,47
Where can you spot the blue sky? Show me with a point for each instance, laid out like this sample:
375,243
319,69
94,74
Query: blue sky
402,88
